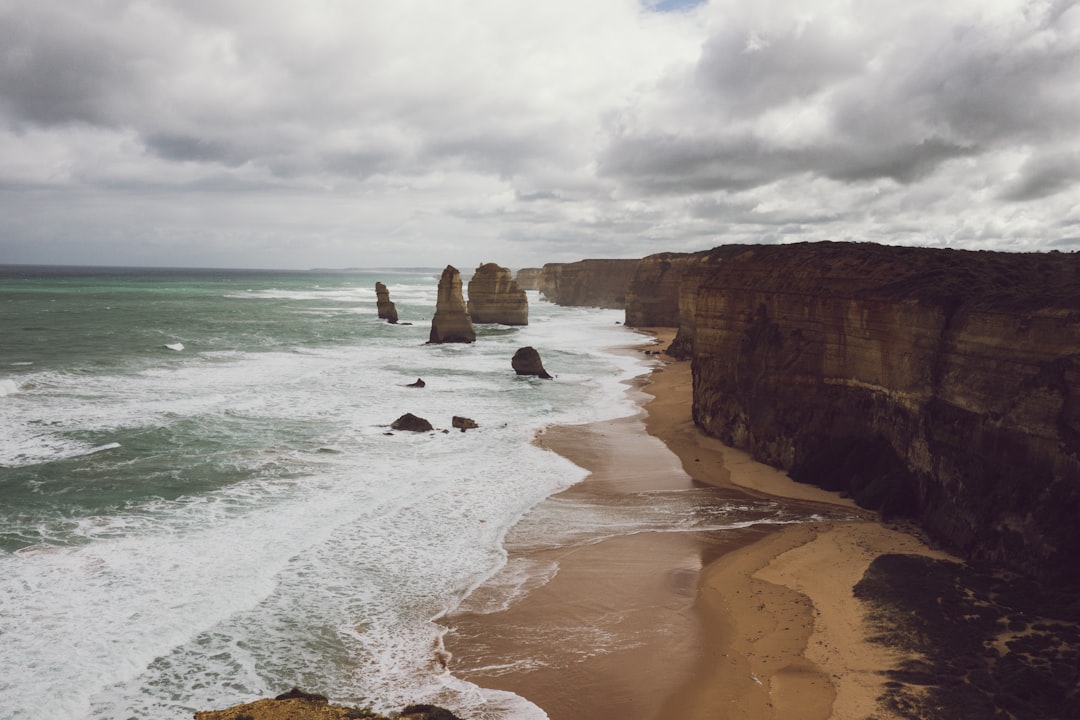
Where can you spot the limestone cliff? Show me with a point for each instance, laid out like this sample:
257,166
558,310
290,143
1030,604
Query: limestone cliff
495,297
941,383
588,283
529,278
386,309
451,323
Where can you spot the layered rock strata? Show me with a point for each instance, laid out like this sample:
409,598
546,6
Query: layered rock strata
529,278
588,283
451,323
944,384
495,297
386,309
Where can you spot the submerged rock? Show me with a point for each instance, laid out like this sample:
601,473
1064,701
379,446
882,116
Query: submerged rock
451,323
418,384
526,361
387,310
411,423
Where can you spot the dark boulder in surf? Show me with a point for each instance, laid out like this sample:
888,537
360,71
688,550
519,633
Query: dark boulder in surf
526,361
464,423
419,383
411,423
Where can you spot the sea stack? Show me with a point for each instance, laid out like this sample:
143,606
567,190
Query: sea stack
451,323
495,297
529,278
386,309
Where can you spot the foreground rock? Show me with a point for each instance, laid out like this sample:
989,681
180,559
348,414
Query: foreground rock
298,705
418,384
588,283
386,309
526,361
451,323
411,423
495,297
937,383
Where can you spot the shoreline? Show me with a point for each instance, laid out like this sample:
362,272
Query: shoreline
700,624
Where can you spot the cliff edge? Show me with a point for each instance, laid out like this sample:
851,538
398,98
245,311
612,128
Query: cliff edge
588,283
940,384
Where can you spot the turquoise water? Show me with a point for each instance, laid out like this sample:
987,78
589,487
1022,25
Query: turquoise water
201,502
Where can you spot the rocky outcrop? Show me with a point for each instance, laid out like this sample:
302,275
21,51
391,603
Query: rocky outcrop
940,383
588,283
526,361
529,278
495,297
386,309
463,423
411,423
451,323
299,705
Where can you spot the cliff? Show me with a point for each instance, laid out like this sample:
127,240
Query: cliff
495,297
451,322
937,383
588,283
529,278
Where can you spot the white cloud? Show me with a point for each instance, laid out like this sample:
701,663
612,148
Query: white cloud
344,133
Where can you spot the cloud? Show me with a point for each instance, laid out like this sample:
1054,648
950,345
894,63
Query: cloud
343,133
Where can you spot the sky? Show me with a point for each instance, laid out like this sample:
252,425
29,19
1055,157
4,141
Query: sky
383,133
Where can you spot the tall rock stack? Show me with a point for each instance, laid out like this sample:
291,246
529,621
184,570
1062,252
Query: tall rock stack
451,322
386,309
495,297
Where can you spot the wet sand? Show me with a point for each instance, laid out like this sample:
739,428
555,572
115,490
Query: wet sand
757,622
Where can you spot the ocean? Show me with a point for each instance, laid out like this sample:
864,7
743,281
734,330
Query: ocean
201,501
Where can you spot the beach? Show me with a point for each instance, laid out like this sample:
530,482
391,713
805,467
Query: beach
752,622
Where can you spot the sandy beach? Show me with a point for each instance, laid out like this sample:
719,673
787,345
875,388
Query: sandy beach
758,622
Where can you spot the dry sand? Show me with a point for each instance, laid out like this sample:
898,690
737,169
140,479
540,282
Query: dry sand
759,623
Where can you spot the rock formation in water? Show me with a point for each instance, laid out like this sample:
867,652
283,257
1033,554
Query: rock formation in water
463,423
299,705
588,283
495,297
418,384
451,323
411,423
940,383
386,309
529,278
526,361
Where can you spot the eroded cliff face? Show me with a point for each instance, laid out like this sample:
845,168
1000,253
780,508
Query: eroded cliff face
529,278
495,297
588,283
663,292
942,384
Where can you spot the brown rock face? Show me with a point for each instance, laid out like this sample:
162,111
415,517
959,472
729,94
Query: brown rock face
495,297
526,361
652,297
588,283
299,705
451,322
386,309
945,384
529,278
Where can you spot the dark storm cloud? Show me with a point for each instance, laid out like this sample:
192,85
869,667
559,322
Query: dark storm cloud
875,101
1045,175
